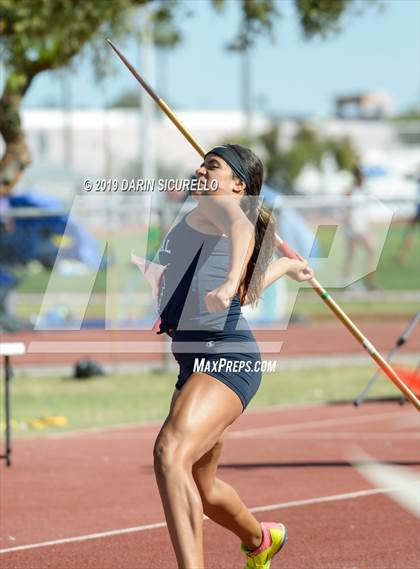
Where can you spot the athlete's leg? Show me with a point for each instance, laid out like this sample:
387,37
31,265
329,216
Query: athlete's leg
200,413
369,246
349,258
407,241
221,502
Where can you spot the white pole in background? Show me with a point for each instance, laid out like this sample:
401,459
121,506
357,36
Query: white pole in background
148,153
66,104
246,90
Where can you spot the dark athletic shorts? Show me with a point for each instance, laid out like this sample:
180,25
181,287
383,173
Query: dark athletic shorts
231,357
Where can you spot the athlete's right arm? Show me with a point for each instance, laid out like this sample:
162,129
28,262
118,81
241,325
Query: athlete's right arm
227,215
152,272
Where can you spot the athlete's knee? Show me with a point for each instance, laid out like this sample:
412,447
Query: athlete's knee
170,454
164,452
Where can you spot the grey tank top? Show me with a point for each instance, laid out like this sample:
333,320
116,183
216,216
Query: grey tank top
196,264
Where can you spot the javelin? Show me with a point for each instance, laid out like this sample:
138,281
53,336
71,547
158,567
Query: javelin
287,251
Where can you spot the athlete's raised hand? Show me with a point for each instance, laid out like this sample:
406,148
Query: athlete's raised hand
299,270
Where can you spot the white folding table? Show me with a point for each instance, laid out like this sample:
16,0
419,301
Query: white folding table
8,349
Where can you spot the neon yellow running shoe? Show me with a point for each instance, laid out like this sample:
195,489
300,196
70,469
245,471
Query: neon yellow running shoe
274,537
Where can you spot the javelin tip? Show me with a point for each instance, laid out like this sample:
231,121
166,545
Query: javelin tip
111,43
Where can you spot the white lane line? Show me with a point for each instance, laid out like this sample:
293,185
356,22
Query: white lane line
318,423
325,499
159,422
313,435
236,434
84,537
379,473
404,422
352,436
408,422
279,506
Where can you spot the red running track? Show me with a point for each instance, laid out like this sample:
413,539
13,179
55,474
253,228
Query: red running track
290,461
132,345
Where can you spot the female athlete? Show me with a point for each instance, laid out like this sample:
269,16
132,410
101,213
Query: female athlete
217,258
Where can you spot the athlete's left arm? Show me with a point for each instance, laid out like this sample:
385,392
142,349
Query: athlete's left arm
296,269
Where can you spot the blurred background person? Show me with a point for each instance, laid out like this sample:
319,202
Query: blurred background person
357,229
411,230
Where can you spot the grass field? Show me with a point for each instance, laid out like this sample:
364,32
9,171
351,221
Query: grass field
389,275
309,304
113,400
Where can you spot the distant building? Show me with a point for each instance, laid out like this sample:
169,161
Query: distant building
99,143
372,105
69,146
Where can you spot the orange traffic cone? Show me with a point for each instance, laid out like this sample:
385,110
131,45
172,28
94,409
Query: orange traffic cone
410,377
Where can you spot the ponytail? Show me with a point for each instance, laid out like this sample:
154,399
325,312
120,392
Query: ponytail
265,229
264,224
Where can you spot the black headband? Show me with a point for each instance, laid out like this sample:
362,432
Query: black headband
235,162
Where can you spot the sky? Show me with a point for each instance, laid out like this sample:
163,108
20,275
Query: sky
379,50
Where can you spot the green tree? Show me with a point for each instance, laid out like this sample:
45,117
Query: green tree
284,166
41,35
324,17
